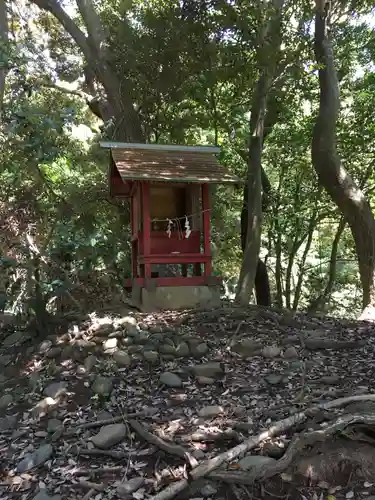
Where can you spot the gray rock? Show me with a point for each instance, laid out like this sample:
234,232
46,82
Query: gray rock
8,423
5,401
167,349
102,386
200,350
208,490
14,338
182,350
211,369
141,338
210,411
251,461
271,351
273,379
54,424
42,495
103,415
330,379
45,346
151,356
156,338
109,435
290,353
122,358
247,348
205,380
35,459
110,345
5,360
54,352
129,324
102,327
170,379
89,362
126,488
55,389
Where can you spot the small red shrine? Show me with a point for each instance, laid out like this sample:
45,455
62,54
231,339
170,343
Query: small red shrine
169,192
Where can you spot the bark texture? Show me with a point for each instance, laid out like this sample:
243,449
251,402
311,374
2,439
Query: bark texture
269,43
348,197
118,106
3,50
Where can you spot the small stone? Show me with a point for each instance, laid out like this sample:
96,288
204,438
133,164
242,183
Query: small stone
330,379
290,353
35,459
182,350
54,352
8,423
250,461
104,415
129,324
14,338
200,350
110,345
205,380
273,379
167,349
81,370
126,488
102,386
239,410
5,401
271,351
55,389
211,369
170,379
210,411
141,338
151,356
42,495
247,348
109,435
5,359
45,346
208,490
90,362
54,424
122,358
44,406
273,450
102,327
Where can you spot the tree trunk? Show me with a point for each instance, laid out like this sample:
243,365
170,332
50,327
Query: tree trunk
3,50
319,302
119,106
333,177
269,44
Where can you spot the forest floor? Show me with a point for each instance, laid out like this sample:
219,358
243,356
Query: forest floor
226,404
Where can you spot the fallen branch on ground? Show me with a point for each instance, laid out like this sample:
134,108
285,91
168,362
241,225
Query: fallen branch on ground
108,421
252,442
297,444
171,448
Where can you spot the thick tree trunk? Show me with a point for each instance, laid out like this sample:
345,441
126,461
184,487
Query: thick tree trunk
3,49
268,45
332,176
119,106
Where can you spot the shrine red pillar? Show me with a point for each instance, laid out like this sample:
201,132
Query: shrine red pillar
134,229
206,227
145,194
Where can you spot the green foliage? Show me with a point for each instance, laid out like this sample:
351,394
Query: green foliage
190,69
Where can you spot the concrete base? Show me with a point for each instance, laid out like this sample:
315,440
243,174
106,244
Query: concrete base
178,297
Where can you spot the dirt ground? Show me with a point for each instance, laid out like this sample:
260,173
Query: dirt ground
131,405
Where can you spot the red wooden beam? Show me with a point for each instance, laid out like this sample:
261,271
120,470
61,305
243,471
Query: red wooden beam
178,258
206,227
177,281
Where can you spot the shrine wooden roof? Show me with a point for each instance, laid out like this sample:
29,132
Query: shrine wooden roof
156,162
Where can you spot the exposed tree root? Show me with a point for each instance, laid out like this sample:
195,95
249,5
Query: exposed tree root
252,442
